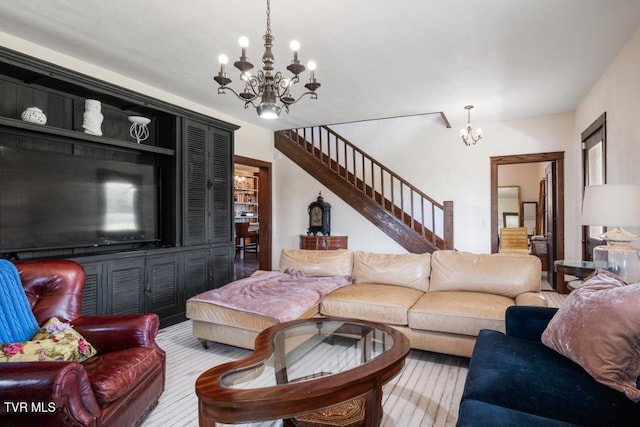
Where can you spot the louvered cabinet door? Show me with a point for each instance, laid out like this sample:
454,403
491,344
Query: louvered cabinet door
220,155
93,299
195,178
161,287
208,184
196,272
222,268
125,286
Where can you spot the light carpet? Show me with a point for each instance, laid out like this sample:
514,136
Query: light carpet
426,393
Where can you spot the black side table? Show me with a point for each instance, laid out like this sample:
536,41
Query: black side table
579,269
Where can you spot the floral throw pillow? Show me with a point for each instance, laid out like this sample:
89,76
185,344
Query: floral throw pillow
54,341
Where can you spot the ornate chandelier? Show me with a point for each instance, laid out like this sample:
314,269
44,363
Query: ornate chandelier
467,133
270,87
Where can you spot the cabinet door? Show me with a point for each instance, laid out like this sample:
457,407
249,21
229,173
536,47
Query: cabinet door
161,288
125,285
208,184
195,183
93,298
220,155
222,259
196,273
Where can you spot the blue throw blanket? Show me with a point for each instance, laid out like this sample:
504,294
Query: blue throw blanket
17,322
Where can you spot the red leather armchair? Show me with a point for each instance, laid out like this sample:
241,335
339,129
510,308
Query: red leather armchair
117,387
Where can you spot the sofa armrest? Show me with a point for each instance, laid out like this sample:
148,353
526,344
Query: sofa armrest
114,333
531,298
39,386
528,321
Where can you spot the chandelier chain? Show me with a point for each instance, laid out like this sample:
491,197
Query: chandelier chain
268,16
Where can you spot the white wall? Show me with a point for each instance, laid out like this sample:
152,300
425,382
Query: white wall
617,93
430,156
525,175
434,159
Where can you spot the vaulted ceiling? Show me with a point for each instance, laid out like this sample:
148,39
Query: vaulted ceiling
510,58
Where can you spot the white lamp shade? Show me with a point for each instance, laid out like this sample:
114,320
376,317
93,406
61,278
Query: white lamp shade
611,205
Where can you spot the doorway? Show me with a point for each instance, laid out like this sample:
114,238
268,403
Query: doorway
554,196
259,213
594,165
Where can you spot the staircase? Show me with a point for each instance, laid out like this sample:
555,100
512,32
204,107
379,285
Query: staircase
410,217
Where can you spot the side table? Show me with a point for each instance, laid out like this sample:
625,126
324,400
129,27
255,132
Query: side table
323,242
579,269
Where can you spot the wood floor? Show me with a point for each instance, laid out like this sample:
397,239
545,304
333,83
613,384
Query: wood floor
244,266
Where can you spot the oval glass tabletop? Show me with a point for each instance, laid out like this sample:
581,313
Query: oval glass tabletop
310,350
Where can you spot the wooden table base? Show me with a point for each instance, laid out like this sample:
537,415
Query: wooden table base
347,414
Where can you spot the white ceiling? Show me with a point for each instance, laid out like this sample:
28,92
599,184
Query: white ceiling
376,59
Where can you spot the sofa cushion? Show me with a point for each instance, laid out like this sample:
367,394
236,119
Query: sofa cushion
455,312
410,270
597,327
212,313
502,274
525,375
378,303
113,375
317,263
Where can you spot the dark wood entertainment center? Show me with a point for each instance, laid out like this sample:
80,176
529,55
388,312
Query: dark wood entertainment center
192,154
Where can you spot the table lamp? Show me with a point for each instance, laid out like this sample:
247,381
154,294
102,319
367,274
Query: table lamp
617,206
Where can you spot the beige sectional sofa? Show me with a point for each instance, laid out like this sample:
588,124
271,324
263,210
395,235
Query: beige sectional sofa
440,301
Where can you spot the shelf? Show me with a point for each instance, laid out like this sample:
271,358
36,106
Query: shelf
80,136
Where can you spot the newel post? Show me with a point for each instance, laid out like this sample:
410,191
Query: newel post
447,226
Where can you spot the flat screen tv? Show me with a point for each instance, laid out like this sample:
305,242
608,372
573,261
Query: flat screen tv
50,200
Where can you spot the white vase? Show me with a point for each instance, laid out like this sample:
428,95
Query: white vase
92,117
34,115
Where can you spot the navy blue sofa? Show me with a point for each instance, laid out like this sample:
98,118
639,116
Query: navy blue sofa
515,380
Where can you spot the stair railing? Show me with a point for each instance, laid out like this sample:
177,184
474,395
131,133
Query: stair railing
418,211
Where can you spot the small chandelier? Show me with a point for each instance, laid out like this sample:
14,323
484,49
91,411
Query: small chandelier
270,87
467,133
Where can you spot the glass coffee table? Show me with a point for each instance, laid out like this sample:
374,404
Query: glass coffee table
306,371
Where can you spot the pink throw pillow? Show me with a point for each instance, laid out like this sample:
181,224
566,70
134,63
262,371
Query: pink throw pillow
598,327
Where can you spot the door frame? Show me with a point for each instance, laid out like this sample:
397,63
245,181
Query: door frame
558,158
599,125
264,202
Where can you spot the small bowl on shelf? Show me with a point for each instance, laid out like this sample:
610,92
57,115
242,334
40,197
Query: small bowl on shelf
139,120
